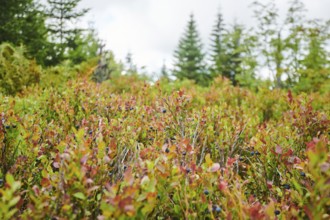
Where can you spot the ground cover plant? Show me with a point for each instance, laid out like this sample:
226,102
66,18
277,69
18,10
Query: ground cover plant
237,127
126,149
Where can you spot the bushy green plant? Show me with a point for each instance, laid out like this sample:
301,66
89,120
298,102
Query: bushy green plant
16,71
58,76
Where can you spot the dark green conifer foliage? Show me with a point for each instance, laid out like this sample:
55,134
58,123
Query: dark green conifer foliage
23,22
62,14
315,74
189,57
83,46
232,57
217,48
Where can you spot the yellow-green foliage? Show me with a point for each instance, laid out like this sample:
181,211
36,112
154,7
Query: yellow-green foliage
16,71
125,149
58,75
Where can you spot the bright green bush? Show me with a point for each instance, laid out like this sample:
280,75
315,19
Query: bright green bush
16,71
58,76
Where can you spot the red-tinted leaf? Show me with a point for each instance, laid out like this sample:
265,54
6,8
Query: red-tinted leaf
278,149
45,182
231,161
215,167
269,184
83,160
290,97
56,165
222,185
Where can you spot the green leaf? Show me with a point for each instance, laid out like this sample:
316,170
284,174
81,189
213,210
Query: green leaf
79,195
16,185
177,209
10,179
10,214
14,201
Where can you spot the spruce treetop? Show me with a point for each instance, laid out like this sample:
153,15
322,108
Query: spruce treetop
189,56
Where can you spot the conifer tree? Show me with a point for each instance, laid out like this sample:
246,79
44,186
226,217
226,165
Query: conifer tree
234,53
189,57
61,14
164,74
84,46
23,22
131,67
315,74
217,48
271,43
295,25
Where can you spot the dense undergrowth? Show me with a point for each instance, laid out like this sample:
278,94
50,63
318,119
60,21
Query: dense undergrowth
126,149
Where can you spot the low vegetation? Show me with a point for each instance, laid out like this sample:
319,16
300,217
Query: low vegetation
127,149
85,136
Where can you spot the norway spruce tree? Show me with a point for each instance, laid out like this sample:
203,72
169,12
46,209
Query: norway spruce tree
61,15
270,35
189,57
23,22
217,48
227,51
234,53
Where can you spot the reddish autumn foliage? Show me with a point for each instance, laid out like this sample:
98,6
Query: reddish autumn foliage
91,151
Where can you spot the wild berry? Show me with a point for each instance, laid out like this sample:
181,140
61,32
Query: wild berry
188,170
131,108
277,212
164,111
125,167
1,182
90,132
7,127
216,208
167,150
151,139
302,174
252,153
206,192
158,196
286,186
257,153
184,153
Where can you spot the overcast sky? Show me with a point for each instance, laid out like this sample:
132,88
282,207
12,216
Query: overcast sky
151,29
